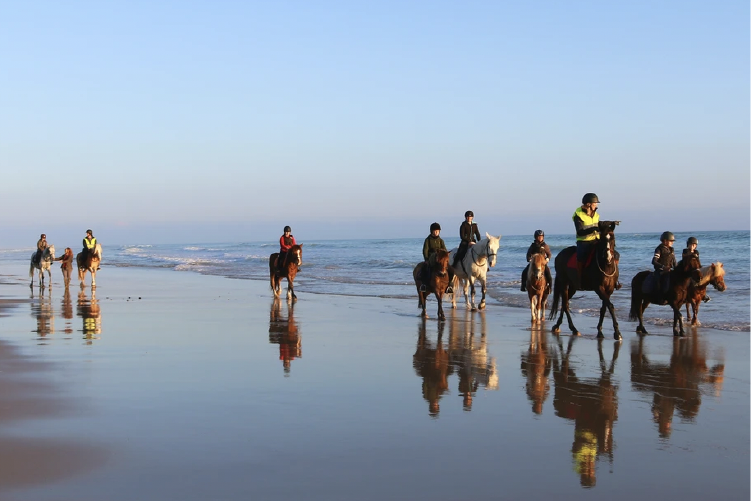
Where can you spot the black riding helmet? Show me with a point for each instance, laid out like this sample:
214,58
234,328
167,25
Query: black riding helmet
434,226
590,198
468,214
287,229
667,236
692,240
539,233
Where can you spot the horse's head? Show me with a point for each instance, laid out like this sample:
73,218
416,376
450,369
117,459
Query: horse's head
442,262
295,254
49,253
537,265
492,248
606,244
718,276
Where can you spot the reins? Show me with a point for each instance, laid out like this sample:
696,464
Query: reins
597,259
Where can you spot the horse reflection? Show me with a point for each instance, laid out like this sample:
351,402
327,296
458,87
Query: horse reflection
592,405
536,364
468,355
42,310
88,310
284,332
675,384
432,364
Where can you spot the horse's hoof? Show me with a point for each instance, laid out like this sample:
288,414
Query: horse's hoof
556,329
600,334
576,333
617,336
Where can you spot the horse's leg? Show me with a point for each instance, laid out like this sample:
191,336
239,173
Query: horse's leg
472,292
695,320
483,288
93,276
566,309
465,288
616,331
642,307
439,298
677,320
533,307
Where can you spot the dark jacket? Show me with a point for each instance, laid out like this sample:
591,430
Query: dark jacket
431,245
664,258
538,247
687,255
467,231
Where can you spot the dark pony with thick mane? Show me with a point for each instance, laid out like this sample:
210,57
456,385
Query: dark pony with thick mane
289,270
680,279
438,282
599,275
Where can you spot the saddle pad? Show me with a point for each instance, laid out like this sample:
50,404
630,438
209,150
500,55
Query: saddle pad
572,260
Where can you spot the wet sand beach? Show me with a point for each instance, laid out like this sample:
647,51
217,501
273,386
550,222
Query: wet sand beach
168,385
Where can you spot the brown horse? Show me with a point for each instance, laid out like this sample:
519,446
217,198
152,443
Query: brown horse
537,287
677,294
289,268
437,283
714,275
89,262
599,275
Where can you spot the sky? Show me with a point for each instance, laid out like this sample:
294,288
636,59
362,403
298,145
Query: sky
215,121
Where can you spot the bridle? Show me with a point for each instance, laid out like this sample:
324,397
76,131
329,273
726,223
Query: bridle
487,255
597,259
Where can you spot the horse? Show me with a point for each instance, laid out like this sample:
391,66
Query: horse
292,263
714,275
89,263
677,294
537,287
474,266
437,283
600,275
45,263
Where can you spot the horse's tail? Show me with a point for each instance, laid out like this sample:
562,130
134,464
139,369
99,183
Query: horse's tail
557,292
636,296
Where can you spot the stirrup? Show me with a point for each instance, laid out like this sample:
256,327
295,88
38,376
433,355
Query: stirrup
449,290
423,288
706,298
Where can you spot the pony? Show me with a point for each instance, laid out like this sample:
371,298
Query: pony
291,264
714,275
89,263
537,287
677,294
437,283
600,274
474,267
45,263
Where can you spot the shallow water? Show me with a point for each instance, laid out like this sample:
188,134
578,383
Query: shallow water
191,387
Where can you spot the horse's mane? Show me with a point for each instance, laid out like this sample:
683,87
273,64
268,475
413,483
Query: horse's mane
707,273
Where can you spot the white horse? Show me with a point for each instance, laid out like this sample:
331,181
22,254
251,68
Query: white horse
92,267
474,267
45,263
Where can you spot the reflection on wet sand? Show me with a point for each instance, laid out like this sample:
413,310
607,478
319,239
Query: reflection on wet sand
285,332
432,364
468,355
67,311
26,394
593,406
536,363
675,384
42,310
88,310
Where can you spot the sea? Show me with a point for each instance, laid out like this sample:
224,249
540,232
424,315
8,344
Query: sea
383,268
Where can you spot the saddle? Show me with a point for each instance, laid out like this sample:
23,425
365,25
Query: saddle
571,263
655,283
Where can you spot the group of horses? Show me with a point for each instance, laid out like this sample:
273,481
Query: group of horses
688,282
85,262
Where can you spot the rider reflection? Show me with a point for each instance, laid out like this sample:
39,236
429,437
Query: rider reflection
89,311
592,404
675,384
468,356
67,311
42,310
535,367
432,364
284,332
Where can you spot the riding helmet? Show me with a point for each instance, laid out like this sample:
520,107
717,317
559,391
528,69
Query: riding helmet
434,226
590,198
287,229
692,240
539,233
667,236
468,214
43,236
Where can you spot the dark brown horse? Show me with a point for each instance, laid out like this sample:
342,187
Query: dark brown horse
437,283
677,294
714,275
600,275
292,262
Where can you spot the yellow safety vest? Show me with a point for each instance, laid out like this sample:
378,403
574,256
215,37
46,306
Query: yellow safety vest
90,244
589,222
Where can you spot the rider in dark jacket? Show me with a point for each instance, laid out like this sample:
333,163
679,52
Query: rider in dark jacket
41,246
469,234
433,243
538,246
690,251
663,261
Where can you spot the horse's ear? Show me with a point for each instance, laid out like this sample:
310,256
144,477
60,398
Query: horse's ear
488,236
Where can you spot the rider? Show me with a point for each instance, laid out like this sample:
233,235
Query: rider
538,246
89,245
41,247
586,222
690,251
664,262
433,243
286,241
467,232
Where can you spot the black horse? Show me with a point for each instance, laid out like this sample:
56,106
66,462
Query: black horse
599,275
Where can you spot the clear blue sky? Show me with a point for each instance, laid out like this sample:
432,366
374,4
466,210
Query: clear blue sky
191,121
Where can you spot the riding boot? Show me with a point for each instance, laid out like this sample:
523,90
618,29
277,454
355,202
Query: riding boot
548,279
449,288
524,279
706,298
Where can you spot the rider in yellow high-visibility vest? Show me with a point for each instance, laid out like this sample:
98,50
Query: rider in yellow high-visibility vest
586,222
89,244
